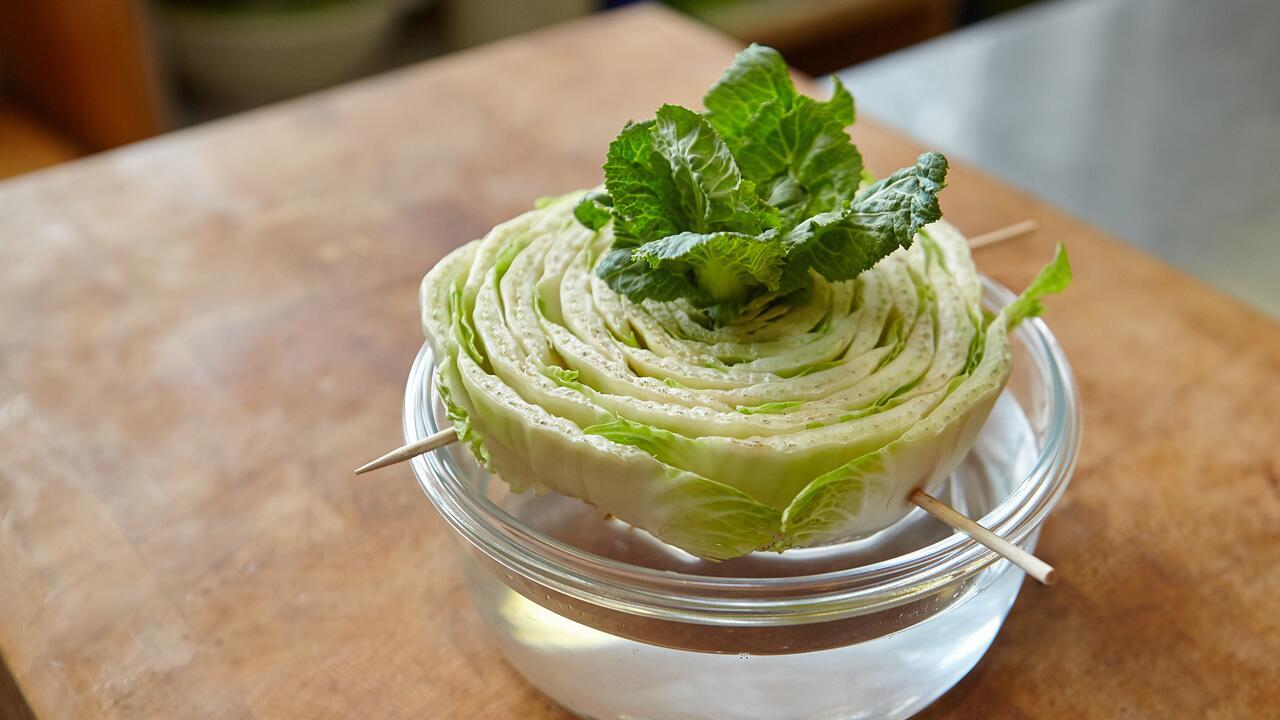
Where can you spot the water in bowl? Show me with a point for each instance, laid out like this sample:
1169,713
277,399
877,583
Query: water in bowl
892,675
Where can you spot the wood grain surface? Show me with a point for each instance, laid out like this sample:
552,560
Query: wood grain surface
203,334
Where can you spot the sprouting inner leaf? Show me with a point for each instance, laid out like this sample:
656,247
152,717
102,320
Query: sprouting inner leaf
646,203
803,160
882,218
763,162
712,192
594,210
722,264
758,75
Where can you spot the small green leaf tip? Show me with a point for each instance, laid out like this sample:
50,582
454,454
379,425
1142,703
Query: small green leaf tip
1053,278
723,207
593,210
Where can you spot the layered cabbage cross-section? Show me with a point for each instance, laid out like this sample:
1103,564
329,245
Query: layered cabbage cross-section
805,421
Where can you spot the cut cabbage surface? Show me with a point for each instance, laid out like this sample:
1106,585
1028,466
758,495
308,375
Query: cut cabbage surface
804,422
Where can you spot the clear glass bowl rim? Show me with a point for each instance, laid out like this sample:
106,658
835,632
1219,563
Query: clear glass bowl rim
702,599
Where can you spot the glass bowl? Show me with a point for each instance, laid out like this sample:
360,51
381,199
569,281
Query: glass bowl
611,623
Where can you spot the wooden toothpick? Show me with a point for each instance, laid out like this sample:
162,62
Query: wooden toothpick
1016,230
1034,566
426,445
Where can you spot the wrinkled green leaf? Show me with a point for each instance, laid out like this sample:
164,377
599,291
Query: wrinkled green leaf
793,147
713,194
757,76
764,162
724,265
803,159
646,202
594,210
841,104
637,279
883,218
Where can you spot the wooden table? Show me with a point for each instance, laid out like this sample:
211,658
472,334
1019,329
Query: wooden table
204,333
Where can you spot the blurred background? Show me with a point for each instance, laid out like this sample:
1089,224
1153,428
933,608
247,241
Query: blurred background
1157,120
78,77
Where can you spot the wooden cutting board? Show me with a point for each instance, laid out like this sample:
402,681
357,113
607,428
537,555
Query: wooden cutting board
203,335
